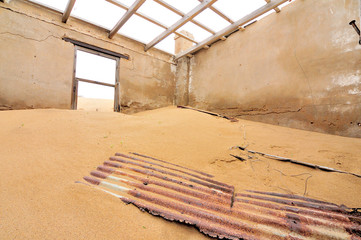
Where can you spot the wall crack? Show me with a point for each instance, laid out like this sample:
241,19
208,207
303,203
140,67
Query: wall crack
85,34
267,113
33,39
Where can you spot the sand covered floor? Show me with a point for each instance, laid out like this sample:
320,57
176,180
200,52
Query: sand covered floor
44,152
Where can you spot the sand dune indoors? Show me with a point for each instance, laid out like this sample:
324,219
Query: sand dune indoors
44,152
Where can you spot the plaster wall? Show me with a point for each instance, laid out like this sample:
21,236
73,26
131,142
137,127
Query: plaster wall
36,65
300,68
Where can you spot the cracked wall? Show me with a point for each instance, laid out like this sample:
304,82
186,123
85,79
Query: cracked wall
36,69
300,68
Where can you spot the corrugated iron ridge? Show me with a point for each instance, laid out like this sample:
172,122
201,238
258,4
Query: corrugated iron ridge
174,169
217,194
292,209
207,205
269,219
173,164
260,231
292,202
315,219
290,196
210,185
176,188
248,215
182,198
209,218
254,215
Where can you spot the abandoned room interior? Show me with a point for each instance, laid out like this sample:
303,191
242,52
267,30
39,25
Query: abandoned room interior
194,119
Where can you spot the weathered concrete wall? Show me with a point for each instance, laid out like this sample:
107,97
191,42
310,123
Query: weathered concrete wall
182,82
300,68
36,65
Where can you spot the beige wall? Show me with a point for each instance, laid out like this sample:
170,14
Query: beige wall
36,65
300,68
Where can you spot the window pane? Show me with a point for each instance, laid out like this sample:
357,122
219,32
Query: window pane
93,97
91,90
93,67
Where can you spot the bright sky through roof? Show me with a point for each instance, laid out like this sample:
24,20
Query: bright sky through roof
106,14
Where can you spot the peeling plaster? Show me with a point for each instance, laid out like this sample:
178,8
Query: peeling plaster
348,79
355,91
192,64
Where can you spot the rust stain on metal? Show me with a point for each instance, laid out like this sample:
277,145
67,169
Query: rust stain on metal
177,194
221,187
178,170
176,165
176,188
225,196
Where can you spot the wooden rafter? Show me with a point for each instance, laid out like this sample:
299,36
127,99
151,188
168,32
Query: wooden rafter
277,9
137,4
149,19
189,16
214,9
180,13
260,11
68,9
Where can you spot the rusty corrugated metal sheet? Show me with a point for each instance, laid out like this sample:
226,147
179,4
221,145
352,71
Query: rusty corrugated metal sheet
181,194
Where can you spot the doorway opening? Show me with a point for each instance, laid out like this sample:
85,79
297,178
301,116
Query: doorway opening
95,85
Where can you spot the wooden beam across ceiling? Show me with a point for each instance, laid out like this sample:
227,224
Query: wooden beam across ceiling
189,16
214,9
180,13
68,9
277,9
137,4
224,32
149,19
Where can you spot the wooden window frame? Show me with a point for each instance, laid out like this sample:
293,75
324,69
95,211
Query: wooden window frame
74,91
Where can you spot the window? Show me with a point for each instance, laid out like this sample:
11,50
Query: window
95,81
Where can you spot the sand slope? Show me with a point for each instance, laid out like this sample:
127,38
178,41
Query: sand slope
95,104
43,153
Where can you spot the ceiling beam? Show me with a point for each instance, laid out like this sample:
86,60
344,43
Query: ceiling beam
180,13
126,17
149,19
67,11
189,16
276,8
224,32
214,9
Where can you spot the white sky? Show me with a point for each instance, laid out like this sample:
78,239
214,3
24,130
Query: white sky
105,14
93,67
